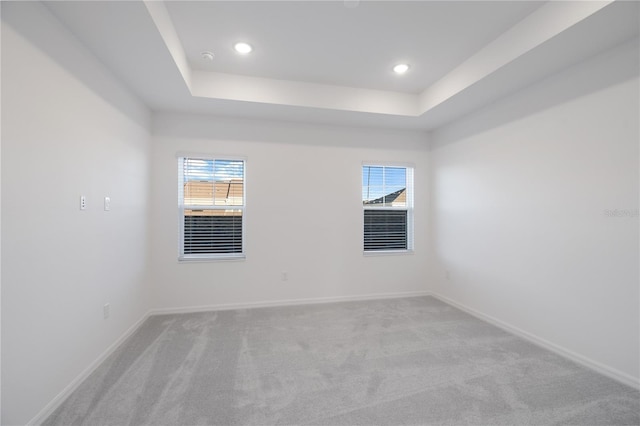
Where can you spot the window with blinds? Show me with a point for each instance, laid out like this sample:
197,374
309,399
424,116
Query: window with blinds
387,201
211,201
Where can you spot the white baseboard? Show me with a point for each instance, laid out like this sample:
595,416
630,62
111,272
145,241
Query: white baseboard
566,353
62,396
605,370
287,302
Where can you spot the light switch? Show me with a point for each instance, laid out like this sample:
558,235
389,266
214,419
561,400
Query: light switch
107,204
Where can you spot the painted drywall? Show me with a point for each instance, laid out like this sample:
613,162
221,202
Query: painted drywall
535,210
68,128
303,213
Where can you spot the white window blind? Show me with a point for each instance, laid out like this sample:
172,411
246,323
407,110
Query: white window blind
387,201
211,201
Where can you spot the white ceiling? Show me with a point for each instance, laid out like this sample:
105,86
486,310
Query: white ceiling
328,43
329,63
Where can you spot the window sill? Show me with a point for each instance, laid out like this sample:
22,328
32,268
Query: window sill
387,253
201,259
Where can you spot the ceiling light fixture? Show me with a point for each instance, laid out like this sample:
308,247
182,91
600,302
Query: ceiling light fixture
243,48
207,56
401,68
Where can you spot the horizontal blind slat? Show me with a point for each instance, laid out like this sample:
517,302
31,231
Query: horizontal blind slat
206,187
385,229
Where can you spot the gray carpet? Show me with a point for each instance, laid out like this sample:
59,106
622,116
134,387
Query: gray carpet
387,362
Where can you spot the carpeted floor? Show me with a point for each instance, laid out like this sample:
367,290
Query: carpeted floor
385,362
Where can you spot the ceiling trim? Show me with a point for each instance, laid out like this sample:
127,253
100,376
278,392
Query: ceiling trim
295,93
546,23
161,18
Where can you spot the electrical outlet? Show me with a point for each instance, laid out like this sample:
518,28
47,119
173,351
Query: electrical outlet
285,276
83,202
107,204
106,310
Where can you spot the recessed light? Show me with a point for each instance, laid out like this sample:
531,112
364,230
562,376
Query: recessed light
243,47
207,56
401,68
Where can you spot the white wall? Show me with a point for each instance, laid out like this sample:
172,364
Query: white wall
303,214
520,194
68,128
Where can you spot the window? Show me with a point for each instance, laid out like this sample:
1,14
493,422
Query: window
211,200
387,201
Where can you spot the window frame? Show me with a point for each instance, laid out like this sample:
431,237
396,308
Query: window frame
409,208
209,257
